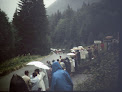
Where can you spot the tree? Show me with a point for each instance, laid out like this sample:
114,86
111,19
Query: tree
91,22
32,25
6,38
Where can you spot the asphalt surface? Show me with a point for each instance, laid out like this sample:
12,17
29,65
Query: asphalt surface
5,80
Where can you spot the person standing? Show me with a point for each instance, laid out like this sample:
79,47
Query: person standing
48,64
63,64
26,78
40,76
60,58
78,57
17,84
82,54
102,46
49,73
96,50
35,82
76,63
72,61
68,65
89,53
61,80
46,80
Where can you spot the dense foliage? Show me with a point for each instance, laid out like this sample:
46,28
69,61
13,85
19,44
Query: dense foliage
91,22
31,23
105,71
6,38
28,32
62,5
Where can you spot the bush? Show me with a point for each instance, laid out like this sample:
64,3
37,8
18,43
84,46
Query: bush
105,74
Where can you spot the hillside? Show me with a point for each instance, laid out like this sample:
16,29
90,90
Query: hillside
91,22
62,5
105,71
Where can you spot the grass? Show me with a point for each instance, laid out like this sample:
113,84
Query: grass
17,63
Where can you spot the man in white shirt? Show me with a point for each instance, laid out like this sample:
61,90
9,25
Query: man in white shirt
41,75
26,78
35,82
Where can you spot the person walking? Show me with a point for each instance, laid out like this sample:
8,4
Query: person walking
61,80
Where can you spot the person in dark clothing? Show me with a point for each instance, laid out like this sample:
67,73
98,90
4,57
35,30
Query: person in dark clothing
78,57
53,61
49,64
61,80
102,46
17,84
76,64
95,50
89,53
67,65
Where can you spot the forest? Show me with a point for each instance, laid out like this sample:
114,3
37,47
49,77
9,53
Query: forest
91,22
34,32
27,33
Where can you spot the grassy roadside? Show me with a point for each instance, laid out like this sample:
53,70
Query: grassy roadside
17,63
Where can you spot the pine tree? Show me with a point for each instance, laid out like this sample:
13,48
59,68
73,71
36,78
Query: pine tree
32,25
5,38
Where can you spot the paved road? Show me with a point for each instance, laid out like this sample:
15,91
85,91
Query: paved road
5,80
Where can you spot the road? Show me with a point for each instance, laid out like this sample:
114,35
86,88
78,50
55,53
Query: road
5,80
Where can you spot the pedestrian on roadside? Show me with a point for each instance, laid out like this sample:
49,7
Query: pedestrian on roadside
60,58
61,80
17,84
26,78
82,54
72,61
96,51
53,61
68,65
35,82
58,61
49,73
89,53
76,64
78,57
102,46
63,64
40,76
48,63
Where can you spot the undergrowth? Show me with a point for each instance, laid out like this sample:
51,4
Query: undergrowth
105,69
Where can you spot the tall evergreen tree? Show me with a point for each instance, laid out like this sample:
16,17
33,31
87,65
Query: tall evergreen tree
6,40
32,25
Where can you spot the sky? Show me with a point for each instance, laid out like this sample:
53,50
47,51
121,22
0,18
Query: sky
9,6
